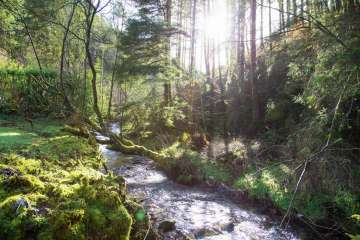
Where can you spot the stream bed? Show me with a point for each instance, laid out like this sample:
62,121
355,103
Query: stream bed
198,212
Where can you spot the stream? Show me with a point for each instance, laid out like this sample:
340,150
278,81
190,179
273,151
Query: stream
199,212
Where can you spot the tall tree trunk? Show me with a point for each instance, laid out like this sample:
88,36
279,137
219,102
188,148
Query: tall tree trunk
85,86
167,83
281,15
193,37
302,12
294,8
90,16
262,23
37,59
180,23
223,110
288,16
67,103
270,24
112,83
241,43
253,77
102,79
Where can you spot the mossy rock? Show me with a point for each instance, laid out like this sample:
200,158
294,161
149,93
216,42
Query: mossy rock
167,226
55,179
24,182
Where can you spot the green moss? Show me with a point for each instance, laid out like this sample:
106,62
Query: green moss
64,194
24,183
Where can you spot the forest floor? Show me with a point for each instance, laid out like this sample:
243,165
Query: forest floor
52,187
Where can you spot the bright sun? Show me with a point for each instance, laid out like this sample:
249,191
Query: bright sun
213,27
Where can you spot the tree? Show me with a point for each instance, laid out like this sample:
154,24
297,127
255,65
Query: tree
167,83
253,77
62,58
193,36
90,10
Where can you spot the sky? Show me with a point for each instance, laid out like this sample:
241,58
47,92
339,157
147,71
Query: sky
215,26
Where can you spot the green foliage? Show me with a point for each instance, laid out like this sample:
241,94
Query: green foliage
143,46
272,183
188,166
22,90
267,184
356,219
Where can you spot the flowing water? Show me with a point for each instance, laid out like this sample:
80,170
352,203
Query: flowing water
199,212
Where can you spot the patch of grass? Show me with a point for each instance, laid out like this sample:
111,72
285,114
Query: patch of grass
14,138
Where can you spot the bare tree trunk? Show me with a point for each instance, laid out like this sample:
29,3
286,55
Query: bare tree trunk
302,11
112,83
281,13
180,18
67,102
294,8
262,23
241,43
253,77
288,14
91,11
270,24
193,37
223,108
37,58
85,85
167,83
102,79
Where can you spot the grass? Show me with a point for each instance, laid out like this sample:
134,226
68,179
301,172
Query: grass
51,187
11,138
23,134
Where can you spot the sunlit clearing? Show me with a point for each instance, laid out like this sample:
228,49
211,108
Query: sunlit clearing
8,134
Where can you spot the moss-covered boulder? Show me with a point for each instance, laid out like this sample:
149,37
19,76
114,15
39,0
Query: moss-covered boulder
52,188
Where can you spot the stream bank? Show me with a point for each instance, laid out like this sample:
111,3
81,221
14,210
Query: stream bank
199,212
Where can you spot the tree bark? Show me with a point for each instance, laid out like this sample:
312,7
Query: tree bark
241,43
262,23
253,77
90,16
270,24
112,83
193,37
294,8
167,83
281,15
67,102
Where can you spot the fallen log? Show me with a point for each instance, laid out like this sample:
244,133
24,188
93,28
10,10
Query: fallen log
118,142
106,142
128,147
76,131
